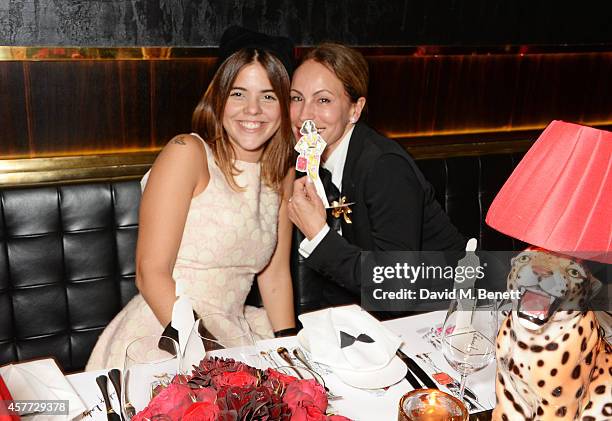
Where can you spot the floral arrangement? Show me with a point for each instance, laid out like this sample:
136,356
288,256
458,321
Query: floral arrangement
226,390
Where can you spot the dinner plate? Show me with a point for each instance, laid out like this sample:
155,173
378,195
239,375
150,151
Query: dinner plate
393,373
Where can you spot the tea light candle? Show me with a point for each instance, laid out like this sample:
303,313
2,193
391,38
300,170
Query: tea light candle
431,405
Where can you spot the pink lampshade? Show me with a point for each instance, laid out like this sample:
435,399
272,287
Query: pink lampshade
559,196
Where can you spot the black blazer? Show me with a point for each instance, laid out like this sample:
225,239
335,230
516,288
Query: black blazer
395,209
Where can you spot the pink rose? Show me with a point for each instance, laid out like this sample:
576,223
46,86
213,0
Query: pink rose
305,392
204,395
172,401
201,411
303,412
235,378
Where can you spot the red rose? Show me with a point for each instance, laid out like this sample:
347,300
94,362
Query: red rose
206,394
307,413
235,378
305,392
286,379
172,401
202,411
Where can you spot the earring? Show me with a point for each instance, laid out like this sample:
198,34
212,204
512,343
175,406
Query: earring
352,120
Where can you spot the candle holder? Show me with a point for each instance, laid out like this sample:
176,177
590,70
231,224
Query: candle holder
431,405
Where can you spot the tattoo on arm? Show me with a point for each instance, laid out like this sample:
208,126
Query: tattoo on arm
179,140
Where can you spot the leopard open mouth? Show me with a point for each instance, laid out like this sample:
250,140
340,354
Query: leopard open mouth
537,306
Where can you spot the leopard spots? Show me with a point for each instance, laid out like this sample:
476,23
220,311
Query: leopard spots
565,357
566,376
552,346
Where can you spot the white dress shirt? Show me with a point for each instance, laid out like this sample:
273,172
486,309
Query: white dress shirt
335,165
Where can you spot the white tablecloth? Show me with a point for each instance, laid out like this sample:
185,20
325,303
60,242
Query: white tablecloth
357,404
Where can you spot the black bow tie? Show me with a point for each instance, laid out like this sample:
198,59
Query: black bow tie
347,340
332,193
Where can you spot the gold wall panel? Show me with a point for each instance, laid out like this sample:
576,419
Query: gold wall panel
77,102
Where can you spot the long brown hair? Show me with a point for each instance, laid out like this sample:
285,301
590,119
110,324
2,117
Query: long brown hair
207,118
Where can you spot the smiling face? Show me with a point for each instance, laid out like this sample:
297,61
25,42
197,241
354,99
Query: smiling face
252,113
318,95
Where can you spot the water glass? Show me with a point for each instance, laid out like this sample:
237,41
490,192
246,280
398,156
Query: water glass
150,364
468,336
221,335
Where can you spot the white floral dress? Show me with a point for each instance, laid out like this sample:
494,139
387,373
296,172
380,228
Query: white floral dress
229,236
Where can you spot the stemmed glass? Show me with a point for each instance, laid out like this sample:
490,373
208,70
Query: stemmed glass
219,334
150,364
468,336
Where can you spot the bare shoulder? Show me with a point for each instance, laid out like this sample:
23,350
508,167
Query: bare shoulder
184,142
184,155
183,149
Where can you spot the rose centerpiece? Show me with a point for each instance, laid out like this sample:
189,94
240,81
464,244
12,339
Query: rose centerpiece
221,389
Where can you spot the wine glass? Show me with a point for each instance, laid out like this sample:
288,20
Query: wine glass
468,336
222,335
150,364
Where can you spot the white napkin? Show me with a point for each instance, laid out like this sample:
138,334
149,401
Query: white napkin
41,380
182,316
367,363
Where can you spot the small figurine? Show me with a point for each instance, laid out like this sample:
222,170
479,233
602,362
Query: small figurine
310,147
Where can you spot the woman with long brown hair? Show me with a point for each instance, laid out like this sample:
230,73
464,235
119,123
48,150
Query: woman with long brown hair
213,212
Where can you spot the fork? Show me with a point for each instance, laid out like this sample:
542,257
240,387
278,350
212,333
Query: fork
270,359
299,354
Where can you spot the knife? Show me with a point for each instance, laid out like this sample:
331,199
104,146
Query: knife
418,371
111,415
409,376
115,377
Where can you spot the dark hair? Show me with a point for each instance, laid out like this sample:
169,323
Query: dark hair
207,118
347,64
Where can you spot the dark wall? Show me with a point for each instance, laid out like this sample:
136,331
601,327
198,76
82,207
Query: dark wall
356,22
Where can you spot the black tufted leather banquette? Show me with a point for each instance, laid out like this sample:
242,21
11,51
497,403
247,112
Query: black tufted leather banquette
67,254
66,267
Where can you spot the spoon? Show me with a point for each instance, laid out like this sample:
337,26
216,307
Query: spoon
284,353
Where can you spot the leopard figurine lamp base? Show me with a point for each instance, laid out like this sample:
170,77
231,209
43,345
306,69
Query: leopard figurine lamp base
553,362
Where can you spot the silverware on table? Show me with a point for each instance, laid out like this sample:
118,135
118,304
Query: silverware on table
284,354
111,415
427,360
454,387
299,354
423,377
115,377
409,376
270,359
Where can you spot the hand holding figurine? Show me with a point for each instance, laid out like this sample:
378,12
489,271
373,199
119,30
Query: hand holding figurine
306,210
